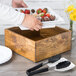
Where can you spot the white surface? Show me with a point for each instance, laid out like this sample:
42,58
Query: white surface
5,54
63,69
46,24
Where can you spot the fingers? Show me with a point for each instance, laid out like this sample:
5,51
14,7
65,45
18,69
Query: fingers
35,28
32,23
31,29
39,22
38,26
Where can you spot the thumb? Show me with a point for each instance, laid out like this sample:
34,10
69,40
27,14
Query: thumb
24,5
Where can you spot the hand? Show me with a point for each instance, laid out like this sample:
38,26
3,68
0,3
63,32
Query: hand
32,23
18,4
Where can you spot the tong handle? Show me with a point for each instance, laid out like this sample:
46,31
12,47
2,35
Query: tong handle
38,71
34,68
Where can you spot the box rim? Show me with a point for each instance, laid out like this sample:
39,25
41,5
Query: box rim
40,39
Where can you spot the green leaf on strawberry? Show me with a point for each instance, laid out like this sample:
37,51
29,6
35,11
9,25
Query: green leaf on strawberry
39,11
41,14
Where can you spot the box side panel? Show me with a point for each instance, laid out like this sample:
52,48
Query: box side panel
20,44
53,45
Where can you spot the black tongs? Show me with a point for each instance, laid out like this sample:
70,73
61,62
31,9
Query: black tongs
56,63
32,71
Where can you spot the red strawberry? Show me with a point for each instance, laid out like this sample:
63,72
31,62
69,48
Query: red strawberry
43,16
22,11
48,15
27,11
39,11
44,11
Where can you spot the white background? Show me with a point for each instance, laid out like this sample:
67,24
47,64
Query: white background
57,5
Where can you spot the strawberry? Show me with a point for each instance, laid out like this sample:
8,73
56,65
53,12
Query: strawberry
16,9
27,11
39,11
32,10
22,11
44,11
48,15
43,16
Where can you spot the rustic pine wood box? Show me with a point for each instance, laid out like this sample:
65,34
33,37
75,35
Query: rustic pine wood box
37,46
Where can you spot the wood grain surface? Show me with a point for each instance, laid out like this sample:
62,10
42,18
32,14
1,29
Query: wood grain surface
57,41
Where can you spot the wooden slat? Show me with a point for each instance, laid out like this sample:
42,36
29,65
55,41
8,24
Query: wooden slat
57,42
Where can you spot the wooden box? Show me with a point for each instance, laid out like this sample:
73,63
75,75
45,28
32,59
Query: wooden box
37,46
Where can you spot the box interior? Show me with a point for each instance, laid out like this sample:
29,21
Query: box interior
38,35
